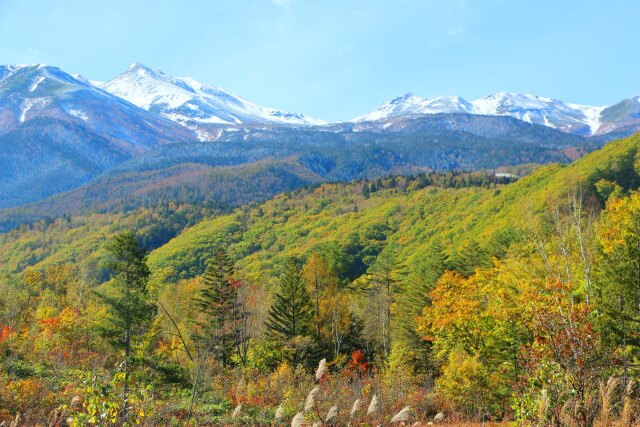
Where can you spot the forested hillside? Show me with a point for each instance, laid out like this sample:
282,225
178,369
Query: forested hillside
256,164
379,301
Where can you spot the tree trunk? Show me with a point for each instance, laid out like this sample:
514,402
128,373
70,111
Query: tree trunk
127,351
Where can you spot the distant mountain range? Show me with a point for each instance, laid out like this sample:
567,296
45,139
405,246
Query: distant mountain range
195,105
198,106
60,131
204,108
577,119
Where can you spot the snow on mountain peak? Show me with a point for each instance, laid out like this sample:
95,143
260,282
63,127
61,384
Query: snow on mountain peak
36,92
8,70
136,67
410,104
192,103
574,118
402,98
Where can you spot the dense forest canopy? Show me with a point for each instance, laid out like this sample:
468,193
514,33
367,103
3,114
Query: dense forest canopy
458,296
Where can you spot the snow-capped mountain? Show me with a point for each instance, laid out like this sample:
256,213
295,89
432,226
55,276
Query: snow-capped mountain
32,92
410,104
581,120
58,132
622,118
572,118
193,104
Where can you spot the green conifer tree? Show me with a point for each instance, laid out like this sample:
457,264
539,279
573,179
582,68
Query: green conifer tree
366,191
416,296
291,313
218,303
130,310
469,257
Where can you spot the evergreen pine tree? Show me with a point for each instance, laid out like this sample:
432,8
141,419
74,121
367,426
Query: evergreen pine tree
366,191
218,302
416,297
422,281
291,313
127,297
469,257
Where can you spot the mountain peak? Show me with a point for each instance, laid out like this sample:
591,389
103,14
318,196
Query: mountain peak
191,103
135,66
19,66
410,104
10,69
403,98
145,71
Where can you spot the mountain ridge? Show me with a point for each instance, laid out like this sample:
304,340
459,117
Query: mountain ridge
583,120
206,109
194,104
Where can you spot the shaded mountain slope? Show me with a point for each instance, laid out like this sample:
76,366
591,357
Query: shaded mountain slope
253,168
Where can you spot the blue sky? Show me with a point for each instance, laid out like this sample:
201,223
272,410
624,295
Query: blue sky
336,59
